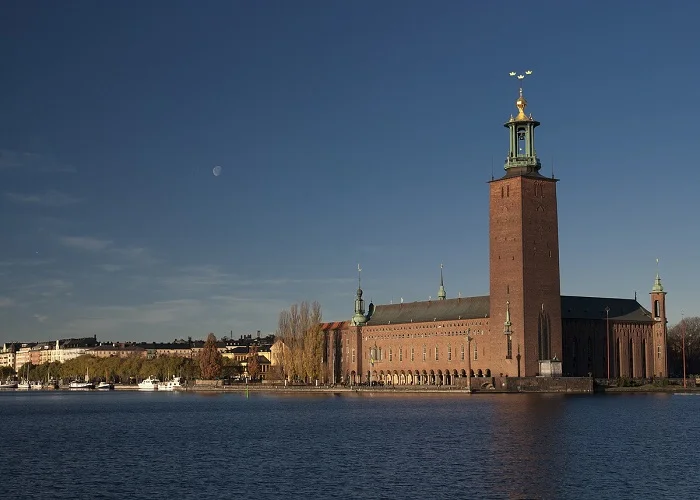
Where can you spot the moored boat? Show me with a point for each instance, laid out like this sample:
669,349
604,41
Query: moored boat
77,384
9,384
105,386
149,384
24,385
174,384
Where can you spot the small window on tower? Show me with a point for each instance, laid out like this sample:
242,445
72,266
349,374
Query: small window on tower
501,191
507,191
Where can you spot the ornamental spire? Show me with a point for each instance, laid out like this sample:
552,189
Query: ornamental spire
507,324
658,287
442,294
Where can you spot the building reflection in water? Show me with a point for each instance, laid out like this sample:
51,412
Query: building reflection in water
528,445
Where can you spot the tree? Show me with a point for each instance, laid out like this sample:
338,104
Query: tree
692,348
253,364
210,359
294,327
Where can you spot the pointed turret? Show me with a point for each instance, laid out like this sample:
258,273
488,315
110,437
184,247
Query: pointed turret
359,317
442,294
507,324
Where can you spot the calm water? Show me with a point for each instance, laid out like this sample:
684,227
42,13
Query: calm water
173,445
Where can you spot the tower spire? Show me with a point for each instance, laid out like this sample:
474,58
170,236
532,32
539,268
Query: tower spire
442,294
359,317
522,157
658,287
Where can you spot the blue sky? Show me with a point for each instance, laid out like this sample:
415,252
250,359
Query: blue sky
347,132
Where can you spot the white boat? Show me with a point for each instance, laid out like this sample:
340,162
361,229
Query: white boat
150,384
24,385
105,386
37,385
77,384
175,384
9,384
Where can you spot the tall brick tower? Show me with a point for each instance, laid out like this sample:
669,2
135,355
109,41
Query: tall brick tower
658,311
524,255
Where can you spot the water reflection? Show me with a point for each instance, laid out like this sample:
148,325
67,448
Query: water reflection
361,445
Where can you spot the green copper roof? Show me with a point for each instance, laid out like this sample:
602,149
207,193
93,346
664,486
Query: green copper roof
658,287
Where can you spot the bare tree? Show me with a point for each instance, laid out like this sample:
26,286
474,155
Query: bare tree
692,347
210,359
253,364
293,330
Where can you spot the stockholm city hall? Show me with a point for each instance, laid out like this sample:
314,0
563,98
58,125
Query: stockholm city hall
524,327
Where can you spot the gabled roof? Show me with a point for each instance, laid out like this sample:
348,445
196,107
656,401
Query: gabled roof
573,307
431,310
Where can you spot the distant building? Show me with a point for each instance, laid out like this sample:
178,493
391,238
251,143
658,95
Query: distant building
524,327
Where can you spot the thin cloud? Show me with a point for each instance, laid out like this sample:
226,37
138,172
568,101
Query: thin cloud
47,199
7,302
132,254
110,268
86,243
40,318
32,162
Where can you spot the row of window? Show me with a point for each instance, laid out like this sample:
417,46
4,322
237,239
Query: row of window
377,354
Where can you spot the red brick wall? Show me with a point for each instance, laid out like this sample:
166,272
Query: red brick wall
524,264
660,364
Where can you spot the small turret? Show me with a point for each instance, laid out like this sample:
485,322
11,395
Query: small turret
507,324
359,317
442,294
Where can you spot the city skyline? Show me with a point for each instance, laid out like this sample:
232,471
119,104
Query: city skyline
345,134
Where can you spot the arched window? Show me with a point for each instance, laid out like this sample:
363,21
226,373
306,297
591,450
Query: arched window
657,309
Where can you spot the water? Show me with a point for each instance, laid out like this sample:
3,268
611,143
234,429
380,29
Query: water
185,445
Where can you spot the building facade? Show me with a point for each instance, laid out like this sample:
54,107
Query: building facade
524,327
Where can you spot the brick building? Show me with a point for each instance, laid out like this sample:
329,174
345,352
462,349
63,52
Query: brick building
524,327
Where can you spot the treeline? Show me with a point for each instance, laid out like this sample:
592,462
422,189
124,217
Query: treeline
122,370
301,356
692,348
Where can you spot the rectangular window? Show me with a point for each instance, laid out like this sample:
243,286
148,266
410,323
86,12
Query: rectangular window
449,353
391,354
462,352
509,348
424,353
400,353
411,353
476,352
658,352
353,355
436,353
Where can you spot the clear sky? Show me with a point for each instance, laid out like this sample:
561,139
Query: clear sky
346,132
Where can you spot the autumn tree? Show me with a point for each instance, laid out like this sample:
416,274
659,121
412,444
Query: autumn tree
253,364
210,359
298,329
692,347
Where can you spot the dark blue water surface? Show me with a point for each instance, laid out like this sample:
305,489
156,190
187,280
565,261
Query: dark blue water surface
185,445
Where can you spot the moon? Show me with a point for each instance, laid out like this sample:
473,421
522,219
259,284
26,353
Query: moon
217,171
